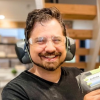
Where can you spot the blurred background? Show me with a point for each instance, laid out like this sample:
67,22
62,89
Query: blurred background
81,18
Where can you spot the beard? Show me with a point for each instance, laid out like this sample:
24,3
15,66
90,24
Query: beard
49,66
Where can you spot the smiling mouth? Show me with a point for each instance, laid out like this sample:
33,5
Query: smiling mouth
51,58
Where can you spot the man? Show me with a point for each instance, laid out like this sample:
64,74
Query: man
46,80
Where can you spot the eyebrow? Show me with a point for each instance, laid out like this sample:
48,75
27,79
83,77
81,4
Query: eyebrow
46,37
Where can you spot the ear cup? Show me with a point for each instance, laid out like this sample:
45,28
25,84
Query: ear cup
22,52
71,48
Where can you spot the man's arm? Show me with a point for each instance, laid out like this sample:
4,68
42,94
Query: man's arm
94,95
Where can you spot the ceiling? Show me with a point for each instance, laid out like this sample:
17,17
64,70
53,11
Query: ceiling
17,10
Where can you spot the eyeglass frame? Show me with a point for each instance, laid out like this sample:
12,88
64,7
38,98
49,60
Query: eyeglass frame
53,37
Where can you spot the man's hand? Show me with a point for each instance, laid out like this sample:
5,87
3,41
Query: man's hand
94,95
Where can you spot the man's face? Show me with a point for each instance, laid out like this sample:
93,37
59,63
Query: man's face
48,48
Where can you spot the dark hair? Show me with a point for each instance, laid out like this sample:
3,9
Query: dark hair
42,15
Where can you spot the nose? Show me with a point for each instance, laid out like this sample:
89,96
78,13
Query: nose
50,47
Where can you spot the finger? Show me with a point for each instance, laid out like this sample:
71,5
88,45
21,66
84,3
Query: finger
95,92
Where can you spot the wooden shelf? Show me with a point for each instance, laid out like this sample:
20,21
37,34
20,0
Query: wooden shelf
7,43
82,51
12,24
80,34
8,57
73,11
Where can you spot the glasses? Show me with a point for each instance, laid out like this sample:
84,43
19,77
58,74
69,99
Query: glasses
42,42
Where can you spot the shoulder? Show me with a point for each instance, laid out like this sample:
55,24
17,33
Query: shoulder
14,83
19,80
72,70
14,89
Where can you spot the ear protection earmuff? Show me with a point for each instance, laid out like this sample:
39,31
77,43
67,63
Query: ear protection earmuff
22,52
71,49
23,55
70,46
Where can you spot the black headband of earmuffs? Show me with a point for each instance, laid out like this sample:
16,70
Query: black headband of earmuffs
23,54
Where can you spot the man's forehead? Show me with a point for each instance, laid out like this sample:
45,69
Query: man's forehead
45,22
47,28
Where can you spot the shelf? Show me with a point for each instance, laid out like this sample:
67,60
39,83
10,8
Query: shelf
7,43
8,57
80,34
75,11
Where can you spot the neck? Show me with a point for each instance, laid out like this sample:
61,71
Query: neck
52,76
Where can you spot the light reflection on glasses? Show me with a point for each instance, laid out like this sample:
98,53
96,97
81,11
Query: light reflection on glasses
43,41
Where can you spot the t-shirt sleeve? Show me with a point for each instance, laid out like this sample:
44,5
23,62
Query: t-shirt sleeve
13,92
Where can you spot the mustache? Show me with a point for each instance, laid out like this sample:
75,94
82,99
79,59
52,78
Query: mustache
49,54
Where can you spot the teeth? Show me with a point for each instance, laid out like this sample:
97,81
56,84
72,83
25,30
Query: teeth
50,56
